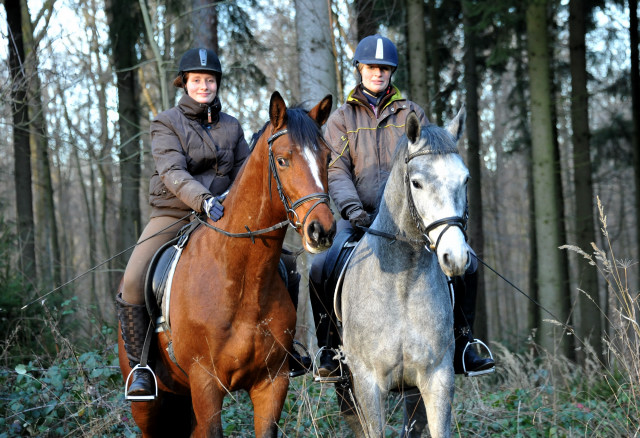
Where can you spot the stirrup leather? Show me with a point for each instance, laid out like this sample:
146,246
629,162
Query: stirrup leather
338,378
481,372
147,368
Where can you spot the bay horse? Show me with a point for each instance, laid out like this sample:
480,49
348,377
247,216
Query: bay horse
232,319
396,304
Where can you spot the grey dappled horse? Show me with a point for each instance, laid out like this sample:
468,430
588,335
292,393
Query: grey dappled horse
396,307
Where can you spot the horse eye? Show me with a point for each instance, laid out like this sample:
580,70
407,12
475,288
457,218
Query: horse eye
416,185
282,162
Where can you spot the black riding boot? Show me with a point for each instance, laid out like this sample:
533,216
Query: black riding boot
465,290
298,364
134,322
326,328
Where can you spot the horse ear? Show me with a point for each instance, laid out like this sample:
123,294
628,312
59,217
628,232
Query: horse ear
412,127
456,126
320,112
277,111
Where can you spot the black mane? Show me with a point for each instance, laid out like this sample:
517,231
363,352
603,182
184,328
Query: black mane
303,129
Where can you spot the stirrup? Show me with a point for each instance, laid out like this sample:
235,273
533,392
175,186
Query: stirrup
141,397
481,372
338,378
304,370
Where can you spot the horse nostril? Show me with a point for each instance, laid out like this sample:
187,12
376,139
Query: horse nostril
313,231
446,259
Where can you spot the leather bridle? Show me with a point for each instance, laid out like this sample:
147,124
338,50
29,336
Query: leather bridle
453,221
290,207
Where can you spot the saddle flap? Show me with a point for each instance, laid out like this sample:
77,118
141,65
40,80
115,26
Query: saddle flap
160,272
336,261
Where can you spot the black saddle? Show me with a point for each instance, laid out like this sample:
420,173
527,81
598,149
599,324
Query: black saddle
337,257
160,268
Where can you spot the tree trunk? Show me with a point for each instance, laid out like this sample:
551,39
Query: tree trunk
124,21
204,24
545,181
365,23
590,314
476,236
437,106
21,147
316,63
635,104
416,42
45,211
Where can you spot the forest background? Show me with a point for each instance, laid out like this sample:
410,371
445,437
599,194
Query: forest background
551,89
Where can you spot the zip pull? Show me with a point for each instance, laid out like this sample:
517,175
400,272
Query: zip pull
209,114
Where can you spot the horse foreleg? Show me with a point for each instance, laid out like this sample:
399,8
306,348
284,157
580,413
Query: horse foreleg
145,414
207,398
370,398
415,414
437,393
268,400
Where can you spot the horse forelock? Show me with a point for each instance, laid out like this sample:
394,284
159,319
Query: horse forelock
304,131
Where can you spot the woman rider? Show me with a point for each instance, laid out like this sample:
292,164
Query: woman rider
363,134
198,151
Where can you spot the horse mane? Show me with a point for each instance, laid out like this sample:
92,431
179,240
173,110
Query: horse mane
301,127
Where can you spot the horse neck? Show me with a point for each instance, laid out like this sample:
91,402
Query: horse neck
252,203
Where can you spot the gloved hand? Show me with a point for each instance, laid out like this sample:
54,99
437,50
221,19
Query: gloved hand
213,208
359,218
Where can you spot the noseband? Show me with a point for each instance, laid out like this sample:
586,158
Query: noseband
290,207
453,221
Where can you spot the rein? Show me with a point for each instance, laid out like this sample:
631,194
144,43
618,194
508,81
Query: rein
292,215
453,221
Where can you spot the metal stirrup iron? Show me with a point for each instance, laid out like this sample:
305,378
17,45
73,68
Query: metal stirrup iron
337,378
481,372
145,367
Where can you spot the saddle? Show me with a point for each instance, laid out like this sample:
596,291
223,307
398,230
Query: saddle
336,262
160,277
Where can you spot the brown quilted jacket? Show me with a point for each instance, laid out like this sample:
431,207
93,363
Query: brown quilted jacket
363,146
193,162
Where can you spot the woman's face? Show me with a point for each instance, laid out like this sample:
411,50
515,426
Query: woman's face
202,87
375,77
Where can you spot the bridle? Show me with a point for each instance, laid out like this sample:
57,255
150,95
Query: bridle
452,221
290,207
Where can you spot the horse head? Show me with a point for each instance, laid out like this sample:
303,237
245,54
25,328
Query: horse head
436,181
298,163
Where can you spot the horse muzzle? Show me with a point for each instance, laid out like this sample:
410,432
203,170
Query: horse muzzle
318,236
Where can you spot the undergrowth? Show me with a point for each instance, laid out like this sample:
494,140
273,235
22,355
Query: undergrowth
532,394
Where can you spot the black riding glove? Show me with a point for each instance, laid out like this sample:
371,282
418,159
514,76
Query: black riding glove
359,218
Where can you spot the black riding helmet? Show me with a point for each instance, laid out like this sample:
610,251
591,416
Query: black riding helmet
202,60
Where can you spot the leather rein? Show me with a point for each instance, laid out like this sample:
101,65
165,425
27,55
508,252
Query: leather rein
292,216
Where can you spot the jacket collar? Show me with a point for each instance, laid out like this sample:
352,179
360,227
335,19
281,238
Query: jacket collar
199,111
356,96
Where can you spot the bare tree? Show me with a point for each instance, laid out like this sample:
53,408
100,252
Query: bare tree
545,181
476,234
124,33
416,42
316,62
47,242
589,298
21,148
